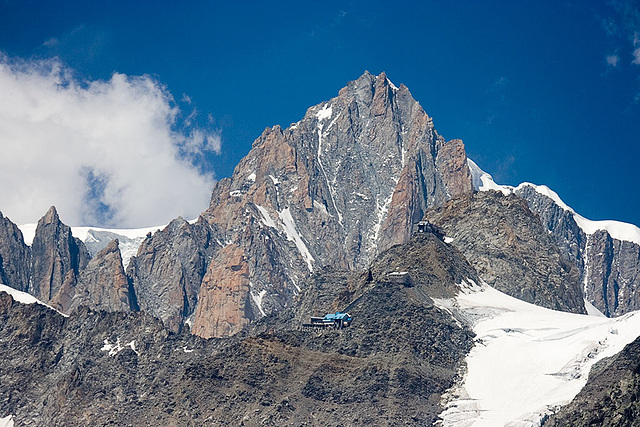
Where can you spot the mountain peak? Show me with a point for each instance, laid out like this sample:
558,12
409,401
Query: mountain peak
358,170
51,216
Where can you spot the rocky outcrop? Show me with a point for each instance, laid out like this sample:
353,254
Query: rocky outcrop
224,306
336,188
611,396
102,285
609,267
167,272
611,275
58,270
15,256
510,249
389,368
55,253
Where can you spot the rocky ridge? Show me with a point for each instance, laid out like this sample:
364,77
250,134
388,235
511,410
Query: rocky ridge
389,368
512,252
609,267
58,270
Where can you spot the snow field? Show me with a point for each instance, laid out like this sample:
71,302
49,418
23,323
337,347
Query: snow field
527,360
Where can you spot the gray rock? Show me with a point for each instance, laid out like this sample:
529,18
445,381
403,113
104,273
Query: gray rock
390,367
167,271
55,253
510,249
611,274
609,268
15,256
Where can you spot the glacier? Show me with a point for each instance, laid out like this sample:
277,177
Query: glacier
527,360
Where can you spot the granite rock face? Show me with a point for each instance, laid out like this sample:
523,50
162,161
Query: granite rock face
609,268
167,272
15,256
510,249
55,253
102,285
224,306
344,183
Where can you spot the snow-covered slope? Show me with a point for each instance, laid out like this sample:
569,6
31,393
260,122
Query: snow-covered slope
618,230
527,359
96,238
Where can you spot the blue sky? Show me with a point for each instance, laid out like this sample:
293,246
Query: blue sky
545,91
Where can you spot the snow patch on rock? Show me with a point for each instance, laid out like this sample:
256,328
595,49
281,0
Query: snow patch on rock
390,83
25,298
257,299
325,112
266,218
117,347
293,236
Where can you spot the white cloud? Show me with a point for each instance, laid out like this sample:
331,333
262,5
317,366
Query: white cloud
636,56
103,152
613,60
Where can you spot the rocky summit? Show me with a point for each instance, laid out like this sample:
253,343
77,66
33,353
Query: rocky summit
347,181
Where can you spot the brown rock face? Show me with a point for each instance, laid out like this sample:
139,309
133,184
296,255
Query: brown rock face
223,307
344,183
101,285
55,252
452,164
